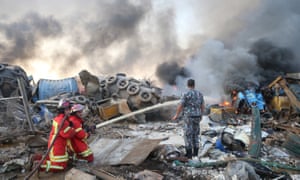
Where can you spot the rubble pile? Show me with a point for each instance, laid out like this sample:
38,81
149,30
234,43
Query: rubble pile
256,136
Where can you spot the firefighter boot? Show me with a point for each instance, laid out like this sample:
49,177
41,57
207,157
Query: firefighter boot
189,153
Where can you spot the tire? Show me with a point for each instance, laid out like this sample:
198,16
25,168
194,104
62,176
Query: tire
121,74
122,83
105,93
81,99
145,96
103,83
133,89
1,81
111,79
2,67
17,72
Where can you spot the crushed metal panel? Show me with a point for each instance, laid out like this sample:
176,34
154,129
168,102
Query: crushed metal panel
122,151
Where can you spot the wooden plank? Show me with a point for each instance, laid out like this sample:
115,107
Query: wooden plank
289,93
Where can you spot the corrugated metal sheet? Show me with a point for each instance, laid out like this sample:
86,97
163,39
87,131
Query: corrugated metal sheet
122,151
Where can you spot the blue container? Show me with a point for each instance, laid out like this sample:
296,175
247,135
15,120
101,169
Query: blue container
219,145
49,88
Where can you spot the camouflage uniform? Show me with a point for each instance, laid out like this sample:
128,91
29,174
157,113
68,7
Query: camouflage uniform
191,102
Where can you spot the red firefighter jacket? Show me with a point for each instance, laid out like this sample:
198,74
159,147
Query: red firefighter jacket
77,125
59,149
78,144
58,155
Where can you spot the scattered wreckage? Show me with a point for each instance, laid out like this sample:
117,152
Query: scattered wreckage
256,136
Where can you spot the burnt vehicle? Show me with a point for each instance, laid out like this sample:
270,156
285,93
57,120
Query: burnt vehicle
242,100
283,96
9,75
15,92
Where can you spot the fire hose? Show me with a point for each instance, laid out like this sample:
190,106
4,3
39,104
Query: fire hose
48,150
150,108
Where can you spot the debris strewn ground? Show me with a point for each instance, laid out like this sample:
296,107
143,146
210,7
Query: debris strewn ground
132,136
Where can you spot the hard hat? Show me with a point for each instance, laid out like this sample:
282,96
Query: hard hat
77,107
63,104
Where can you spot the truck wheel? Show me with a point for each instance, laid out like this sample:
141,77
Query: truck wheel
105,93
2,67
81,99
133,89
17,72
122,83
111,79
145,96
103,83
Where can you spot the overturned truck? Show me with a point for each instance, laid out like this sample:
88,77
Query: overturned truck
102,95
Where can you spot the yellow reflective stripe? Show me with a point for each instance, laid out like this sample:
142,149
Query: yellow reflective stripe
86,153
78,129
67,129
48,166
55,124
57,167
55,127
62,158
69,144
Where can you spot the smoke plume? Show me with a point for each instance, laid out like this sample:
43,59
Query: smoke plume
219,43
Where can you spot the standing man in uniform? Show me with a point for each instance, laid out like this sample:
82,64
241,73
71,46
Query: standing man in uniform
192,106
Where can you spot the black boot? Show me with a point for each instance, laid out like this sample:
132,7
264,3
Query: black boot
196,149
189,153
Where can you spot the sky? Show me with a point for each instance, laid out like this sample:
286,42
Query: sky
219,43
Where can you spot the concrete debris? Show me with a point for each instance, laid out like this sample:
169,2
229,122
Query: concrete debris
240,170
147,175
132,137
76,174
122,151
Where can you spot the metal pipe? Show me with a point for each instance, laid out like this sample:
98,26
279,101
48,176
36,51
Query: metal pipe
10,98
25,104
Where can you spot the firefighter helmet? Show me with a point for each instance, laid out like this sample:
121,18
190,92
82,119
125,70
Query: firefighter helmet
76,108
63,104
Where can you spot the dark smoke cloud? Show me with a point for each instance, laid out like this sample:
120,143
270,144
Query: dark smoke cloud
274,61
168,72
273,58
24,35
254,44
117,21
220,43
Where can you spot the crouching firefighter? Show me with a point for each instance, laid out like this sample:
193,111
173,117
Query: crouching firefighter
78,145
57,158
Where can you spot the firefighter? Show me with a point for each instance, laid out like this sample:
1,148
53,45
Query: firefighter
78,144
57,159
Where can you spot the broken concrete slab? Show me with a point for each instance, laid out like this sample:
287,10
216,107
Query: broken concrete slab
76,174
122,151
